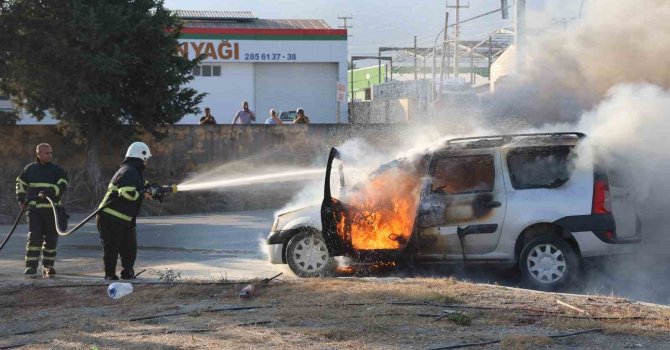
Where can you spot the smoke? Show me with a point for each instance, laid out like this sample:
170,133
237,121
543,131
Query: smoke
359,158
570,71
631,126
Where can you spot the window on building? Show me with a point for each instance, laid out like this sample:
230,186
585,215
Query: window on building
207,70
540,167
466,174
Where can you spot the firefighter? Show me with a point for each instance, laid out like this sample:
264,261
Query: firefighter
41,176
116,222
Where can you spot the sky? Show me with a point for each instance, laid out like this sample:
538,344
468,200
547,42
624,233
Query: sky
389,22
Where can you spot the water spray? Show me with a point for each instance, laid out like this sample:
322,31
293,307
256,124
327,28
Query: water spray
249,180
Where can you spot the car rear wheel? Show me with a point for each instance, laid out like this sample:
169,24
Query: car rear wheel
307,255
549,263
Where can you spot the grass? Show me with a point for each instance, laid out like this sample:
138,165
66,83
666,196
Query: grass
460,319
328,313
525,342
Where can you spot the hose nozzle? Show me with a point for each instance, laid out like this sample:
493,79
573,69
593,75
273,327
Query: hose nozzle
169,188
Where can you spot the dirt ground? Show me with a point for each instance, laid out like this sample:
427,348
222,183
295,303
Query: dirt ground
341,313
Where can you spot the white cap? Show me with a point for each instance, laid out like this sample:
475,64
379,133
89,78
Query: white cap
139,150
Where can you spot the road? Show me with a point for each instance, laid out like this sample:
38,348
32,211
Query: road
212,246
231,246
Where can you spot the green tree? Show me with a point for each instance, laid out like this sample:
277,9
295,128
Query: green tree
106,70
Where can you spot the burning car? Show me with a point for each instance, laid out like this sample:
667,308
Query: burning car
525,200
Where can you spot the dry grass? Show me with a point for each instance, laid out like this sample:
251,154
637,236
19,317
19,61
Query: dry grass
324,313
525,342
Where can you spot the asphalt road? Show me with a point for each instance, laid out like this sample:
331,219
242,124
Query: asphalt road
231,246
213,246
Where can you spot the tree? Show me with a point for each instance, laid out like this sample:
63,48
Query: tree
106,70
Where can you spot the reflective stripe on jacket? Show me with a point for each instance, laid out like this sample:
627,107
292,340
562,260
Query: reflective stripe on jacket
127,185
37,177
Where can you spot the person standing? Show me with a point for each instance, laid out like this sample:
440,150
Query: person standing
207,119
245,116
41,176
273,120
301,118
116,222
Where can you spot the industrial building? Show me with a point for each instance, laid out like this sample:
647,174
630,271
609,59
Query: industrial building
271,63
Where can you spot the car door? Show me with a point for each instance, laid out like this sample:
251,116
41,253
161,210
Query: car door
464,197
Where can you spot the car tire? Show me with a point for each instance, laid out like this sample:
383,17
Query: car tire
307,255
549,263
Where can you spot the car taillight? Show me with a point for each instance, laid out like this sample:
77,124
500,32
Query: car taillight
601,197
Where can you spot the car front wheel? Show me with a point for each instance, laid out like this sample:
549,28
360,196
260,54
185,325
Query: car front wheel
549,263
307,255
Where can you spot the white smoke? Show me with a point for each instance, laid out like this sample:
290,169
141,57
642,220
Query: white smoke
570,71
632,125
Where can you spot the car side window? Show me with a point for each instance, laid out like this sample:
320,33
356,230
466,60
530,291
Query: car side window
540,167
464,174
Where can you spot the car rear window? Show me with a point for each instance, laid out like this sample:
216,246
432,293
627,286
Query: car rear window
540,167
466,174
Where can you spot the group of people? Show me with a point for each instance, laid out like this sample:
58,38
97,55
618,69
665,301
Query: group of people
247,116
115,222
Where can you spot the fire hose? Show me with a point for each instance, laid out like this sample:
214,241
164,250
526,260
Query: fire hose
16,223
156,191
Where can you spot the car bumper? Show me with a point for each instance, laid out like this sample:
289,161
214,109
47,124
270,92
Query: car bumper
276,253
600,225
590,245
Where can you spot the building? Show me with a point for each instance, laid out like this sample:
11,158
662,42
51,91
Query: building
361,81
271,63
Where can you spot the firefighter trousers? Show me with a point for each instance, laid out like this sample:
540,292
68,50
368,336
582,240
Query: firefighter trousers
118,239
42,238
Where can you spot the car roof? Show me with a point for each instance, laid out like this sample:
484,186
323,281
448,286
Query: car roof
516,140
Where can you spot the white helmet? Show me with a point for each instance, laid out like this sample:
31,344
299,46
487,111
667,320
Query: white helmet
139,150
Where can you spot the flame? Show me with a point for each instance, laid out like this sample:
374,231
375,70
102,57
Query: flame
380,213
345,270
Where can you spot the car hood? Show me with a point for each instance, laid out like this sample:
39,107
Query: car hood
306,216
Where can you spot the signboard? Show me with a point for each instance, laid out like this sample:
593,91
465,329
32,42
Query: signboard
264,50
341,91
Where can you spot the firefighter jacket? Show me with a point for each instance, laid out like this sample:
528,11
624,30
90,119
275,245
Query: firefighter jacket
126,190
37,177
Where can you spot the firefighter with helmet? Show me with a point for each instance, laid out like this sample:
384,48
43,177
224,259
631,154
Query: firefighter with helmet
47,177
116,222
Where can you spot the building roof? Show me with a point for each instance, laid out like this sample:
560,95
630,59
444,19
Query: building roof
245,20
258,23
214,15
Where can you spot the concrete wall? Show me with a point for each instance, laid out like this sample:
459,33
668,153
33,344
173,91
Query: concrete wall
188,149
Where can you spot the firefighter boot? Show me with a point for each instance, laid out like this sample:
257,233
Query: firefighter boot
30,270
128,274
48,271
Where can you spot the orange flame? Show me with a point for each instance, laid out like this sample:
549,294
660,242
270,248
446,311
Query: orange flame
380,214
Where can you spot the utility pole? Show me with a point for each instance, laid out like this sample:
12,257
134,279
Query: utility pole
457,32
415,65
345,26
444,52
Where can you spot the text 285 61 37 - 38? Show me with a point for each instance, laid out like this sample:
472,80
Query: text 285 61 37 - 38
270,57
